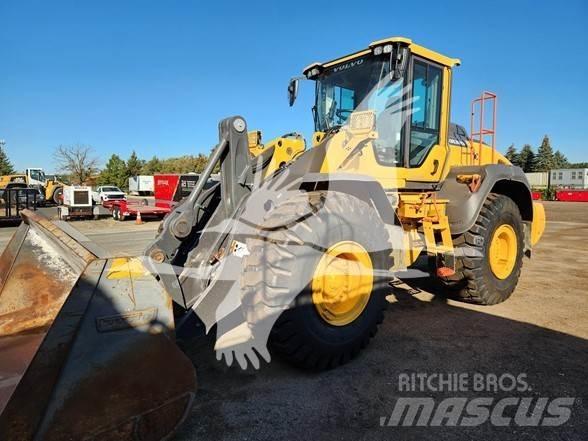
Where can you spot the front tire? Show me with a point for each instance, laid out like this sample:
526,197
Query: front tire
490,257
335,310
58,196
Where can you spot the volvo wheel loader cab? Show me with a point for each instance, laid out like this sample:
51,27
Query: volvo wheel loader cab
387,107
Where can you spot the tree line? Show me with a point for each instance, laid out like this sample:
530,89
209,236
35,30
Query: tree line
117,171
78,164
544,160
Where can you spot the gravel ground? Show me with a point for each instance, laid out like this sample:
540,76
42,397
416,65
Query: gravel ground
541,332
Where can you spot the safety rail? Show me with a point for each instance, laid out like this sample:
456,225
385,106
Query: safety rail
478,130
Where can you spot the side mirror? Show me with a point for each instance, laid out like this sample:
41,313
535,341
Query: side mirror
292,91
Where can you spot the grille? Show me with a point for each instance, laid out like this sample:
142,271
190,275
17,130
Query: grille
80,197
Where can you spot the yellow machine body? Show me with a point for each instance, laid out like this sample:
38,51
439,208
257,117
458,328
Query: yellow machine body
49,186
283,149
421,212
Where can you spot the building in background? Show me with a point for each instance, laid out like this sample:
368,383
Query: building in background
569,178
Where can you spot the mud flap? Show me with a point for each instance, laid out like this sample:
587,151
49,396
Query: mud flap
87,344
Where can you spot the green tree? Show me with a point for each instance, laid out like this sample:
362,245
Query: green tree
512,155
527,159
560,160
115,173
152,166
134,165
6,167
184,164
545,160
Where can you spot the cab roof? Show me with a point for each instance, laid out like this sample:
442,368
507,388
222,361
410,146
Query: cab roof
414,48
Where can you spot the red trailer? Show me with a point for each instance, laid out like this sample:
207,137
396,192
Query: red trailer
173,187
169,190
572,195
124,209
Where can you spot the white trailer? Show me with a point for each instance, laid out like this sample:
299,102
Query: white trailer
538,179
141,185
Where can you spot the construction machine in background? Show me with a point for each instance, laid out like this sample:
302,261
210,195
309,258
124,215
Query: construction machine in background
35,177
295,255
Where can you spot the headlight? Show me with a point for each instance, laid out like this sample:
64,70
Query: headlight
362,121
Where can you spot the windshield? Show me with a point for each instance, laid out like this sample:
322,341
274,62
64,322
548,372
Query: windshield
37,175
362,84
111,189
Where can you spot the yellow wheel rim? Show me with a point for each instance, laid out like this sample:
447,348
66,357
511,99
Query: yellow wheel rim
503,251
342,283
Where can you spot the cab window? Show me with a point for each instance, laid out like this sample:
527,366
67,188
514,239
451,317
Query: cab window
37,175
426,110
339,102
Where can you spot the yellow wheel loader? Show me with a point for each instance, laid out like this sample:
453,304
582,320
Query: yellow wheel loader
289,257
35,177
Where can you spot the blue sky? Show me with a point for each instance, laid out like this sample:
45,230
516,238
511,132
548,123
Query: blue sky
157,76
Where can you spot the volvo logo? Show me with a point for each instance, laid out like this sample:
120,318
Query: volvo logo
349,65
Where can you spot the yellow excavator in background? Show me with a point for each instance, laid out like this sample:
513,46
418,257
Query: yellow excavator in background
292,254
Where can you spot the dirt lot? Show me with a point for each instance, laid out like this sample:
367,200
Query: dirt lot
542,332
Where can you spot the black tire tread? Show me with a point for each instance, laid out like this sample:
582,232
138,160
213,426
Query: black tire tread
468,284
282,228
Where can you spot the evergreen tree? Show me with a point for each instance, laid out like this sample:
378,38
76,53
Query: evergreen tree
512,155
115,173
6,167
134,165
545,160
560,160
527,159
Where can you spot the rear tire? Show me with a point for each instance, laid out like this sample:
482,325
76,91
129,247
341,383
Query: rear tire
290,252
116,213
475,280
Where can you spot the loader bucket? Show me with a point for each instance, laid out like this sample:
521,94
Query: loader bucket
87,348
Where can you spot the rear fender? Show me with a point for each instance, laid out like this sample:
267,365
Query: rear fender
464,205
